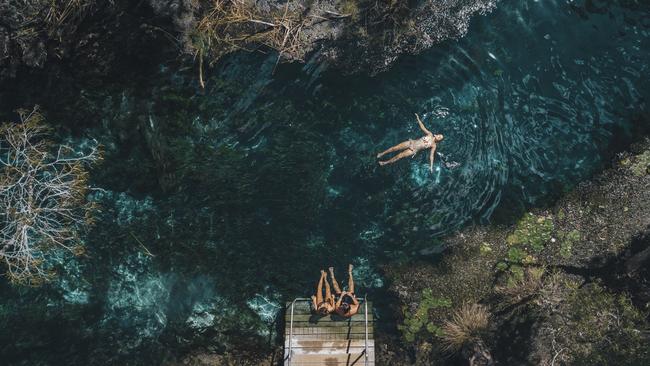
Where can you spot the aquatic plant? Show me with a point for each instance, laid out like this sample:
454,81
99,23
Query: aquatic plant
43,203
468,324
415,321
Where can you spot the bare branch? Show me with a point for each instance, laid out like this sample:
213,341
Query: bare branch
42,197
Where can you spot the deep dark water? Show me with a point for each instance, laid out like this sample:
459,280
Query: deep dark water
245,190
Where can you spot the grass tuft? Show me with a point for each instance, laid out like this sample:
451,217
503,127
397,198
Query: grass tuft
467,325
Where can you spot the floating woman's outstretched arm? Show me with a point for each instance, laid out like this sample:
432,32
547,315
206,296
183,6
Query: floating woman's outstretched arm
424,129
432,155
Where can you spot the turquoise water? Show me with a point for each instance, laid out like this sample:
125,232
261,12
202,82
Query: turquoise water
244,190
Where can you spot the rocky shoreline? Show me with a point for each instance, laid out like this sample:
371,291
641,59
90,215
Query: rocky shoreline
96,37
568,283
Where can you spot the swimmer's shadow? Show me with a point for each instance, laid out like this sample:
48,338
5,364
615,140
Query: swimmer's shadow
314,318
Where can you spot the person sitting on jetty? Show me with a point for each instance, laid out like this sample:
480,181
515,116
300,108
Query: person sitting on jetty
347,304
412,147
323,306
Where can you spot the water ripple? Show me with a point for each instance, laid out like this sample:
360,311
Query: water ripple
523,119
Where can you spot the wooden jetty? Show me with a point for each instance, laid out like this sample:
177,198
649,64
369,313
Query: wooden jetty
311,340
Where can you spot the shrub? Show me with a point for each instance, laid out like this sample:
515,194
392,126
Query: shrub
467,325
520,287
42,197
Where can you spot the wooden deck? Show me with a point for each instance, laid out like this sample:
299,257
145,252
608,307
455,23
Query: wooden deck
329,340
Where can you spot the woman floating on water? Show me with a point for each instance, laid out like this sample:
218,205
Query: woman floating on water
411,147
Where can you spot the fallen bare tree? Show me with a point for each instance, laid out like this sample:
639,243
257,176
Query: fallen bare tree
43,204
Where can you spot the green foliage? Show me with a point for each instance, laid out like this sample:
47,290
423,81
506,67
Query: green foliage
485,248
641,166
568,241
415,321
606,328
502,266
435,330
516,273
530,235
516,255
532,232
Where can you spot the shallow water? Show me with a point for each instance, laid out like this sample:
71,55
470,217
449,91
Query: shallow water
245,190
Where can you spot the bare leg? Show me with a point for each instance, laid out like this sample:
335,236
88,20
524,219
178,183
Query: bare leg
319,288
350,280
402,155
328,291
337,289
402,146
